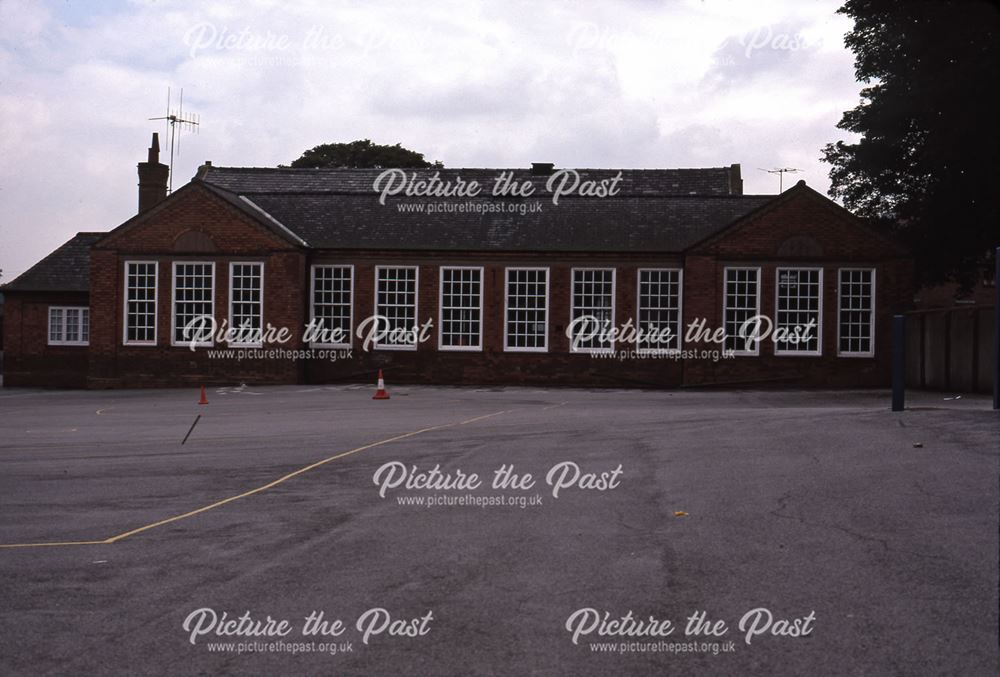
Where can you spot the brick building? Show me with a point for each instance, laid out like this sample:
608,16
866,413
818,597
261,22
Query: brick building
490,282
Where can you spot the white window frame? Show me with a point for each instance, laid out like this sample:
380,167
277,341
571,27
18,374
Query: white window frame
482,284
416,305
725,308
680,307
232,302
819,312
350,304
506,309
874,287
173,302
572,308
63,324
156,301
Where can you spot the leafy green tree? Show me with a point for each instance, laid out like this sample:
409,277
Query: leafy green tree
363,154
926,164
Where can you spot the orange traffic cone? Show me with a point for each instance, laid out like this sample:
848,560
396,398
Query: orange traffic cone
203,400
381,393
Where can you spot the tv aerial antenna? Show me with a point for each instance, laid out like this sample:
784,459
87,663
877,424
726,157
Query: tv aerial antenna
781,171
177,122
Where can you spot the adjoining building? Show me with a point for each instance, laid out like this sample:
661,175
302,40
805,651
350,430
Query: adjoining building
492,283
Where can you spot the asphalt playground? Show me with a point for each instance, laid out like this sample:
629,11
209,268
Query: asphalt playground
871,535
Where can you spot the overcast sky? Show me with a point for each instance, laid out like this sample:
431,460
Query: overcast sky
492,84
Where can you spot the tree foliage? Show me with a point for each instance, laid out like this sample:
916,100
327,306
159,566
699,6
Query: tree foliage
363,154
924,166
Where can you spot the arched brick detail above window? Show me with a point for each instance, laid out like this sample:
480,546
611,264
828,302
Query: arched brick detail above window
194,242
800,246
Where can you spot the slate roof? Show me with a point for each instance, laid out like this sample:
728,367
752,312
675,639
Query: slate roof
580,224
65,269
243,180
656,210
661,210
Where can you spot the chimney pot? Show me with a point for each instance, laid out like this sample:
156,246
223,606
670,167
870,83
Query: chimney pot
153,177
154,149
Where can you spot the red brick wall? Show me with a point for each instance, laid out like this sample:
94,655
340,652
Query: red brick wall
836,241
236,237
492,365
28,360
759,242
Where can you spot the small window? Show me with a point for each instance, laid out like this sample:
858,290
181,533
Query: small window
332,305
69,326
799,311
461,309
140,303
193,303
396,306
246,303
659,310
527,310
742,302
856,312
593,309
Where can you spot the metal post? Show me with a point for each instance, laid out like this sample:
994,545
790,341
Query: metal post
996,335
898,362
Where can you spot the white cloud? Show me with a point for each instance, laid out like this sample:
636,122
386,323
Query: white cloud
634,84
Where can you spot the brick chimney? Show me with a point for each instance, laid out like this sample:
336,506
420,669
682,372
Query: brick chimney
735,180
152,177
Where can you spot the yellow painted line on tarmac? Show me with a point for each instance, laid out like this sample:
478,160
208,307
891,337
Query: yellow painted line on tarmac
257,490
53,544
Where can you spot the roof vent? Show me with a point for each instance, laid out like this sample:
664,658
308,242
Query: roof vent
542,168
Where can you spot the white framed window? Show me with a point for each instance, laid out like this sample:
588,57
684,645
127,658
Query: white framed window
592,311
659,309
526,310
193,301
461,321
799,302
396,302
742,302
246,303
139,327
69,325
856,312
332,294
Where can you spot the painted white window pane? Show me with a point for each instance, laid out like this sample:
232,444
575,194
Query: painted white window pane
396,301
140,302
593,307
799,293
461,298
660,309
527,308
741,304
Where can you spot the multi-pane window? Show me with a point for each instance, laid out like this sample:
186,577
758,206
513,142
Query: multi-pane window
659,309
69,326
593,309
332,304
140,303
742,302
856,310
461,308
194,303
798,311
527,310
396,306
246,303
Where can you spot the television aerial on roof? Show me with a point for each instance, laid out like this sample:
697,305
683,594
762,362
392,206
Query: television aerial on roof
781,171
177,122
